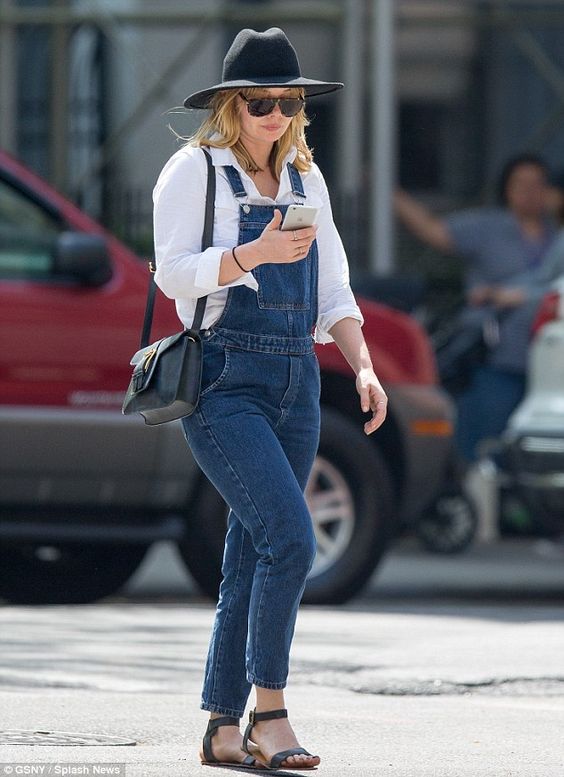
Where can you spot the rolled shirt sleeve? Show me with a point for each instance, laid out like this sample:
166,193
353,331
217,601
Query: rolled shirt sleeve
183,270
335,297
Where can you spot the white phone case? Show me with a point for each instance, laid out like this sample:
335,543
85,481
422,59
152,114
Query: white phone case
299,217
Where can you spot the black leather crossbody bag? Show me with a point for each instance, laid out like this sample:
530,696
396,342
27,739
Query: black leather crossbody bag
167,374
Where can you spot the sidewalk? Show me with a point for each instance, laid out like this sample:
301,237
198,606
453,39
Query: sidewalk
415,691
445,667
364,737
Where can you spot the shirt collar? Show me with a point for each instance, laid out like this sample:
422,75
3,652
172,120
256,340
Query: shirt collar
225,156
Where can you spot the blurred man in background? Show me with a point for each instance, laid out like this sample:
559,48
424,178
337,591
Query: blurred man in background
504,249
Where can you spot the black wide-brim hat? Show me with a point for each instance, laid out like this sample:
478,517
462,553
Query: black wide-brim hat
261,59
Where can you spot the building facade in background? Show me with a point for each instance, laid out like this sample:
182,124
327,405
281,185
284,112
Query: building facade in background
87,105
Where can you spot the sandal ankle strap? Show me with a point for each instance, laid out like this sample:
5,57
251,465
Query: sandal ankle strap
227,720
256,717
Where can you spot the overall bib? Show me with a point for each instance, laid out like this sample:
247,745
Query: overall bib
255,435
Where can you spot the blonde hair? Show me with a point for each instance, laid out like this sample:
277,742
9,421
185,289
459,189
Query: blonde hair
224,120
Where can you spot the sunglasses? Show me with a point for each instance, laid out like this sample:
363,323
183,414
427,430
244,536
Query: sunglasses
262,106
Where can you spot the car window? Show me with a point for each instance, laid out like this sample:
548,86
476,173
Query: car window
28,235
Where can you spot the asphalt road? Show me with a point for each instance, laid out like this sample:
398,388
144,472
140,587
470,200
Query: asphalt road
426,675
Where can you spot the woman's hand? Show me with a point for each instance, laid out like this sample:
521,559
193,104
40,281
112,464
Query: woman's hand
372,397
347,334
281,247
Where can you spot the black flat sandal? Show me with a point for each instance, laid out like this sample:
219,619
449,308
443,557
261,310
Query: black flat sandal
249,762
278,758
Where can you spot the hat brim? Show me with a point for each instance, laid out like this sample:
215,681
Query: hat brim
311,88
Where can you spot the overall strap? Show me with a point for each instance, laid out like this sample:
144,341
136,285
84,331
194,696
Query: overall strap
235,181
238,189
207,240
296,181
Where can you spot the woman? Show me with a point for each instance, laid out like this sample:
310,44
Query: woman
504,250
256,430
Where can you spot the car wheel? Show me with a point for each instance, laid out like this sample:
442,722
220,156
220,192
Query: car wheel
449,525
65,573
350,497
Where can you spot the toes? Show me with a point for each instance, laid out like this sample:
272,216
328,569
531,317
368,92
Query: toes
301,758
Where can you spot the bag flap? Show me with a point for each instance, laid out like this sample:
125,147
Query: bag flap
145,360
160,345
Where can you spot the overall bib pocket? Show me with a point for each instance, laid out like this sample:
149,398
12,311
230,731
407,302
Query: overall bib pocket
284,286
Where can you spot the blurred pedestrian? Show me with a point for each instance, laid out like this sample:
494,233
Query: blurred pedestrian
503,249
256,430
552,265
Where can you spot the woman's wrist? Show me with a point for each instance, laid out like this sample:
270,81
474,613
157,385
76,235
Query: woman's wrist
234,263
236,260
364,365
249,255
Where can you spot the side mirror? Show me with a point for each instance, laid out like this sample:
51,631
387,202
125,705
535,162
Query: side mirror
82,257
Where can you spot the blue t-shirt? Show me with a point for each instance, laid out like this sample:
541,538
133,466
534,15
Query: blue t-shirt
497,253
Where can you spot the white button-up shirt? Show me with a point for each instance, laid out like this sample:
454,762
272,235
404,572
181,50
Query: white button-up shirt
185,273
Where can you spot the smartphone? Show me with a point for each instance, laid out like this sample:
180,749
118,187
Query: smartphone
299,217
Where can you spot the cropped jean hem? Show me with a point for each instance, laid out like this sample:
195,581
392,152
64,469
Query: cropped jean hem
264,684
232,713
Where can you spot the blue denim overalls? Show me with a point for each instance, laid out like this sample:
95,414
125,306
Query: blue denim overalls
255,435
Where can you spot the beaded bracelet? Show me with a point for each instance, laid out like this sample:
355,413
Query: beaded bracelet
238,262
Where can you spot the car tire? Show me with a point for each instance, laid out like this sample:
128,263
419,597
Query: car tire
65,573
449,525
353,530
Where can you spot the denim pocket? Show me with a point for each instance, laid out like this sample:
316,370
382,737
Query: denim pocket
284,286
215,366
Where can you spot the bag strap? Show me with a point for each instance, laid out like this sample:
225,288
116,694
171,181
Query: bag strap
207,240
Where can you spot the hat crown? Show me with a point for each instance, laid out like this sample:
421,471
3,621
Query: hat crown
265,55
265,59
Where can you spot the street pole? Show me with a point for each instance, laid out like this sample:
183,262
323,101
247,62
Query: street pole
8,83
60,39
350,126
383,134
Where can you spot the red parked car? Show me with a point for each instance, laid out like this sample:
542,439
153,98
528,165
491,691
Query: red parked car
85,490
